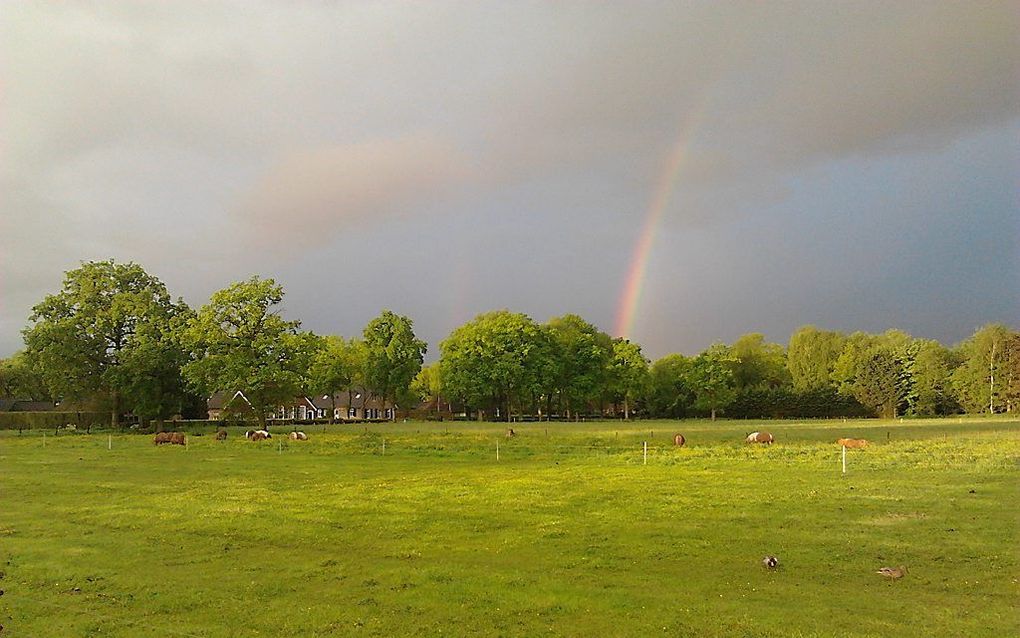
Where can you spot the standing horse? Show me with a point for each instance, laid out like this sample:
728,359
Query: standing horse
679,440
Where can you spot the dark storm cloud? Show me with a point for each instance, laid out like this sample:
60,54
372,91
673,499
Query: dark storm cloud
491,154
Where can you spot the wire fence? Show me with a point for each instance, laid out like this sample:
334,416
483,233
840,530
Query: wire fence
933,453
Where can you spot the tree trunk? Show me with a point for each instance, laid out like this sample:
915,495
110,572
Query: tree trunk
332,401
991,386
115,414
713,414
626,408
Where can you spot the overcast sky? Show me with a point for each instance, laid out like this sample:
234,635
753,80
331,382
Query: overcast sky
851,165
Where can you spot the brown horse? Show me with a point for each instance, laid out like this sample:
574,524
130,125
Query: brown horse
764,438
853,443
679,440
173,438
221,435
510,433
259,435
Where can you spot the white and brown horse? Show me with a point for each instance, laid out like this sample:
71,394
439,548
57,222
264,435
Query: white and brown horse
764,438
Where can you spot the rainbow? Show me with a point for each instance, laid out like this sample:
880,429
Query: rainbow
661,196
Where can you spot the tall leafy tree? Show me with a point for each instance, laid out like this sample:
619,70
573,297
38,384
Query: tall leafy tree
628,373
877,384
393,356
864,363
811,357
981,380
857,348
495,361
428,385
1011,372
670,392
581,360
337,365
107,333
21,378
712,378
242,343
758,364
932,370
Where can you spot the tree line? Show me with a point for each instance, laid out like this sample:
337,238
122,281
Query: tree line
114,336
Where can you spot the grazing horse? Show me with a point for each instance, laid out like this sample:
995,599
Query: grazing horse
510,433
760,437
679,440
853,443
177,438
161,438
260,435
298,436
221,435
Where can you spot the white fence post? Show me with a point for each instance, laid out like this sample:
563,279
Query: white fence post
109,442
844,459
384,447
646,453
497,449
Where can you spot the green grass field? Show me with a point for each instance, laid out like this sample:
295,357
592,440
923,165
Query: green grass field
568,533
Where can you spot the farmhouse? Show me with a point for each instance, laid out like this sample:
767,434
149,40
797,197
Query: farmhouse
19,405
353,405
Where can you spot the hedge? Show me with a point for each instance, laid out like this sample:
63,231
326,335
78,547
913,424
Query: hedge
783,403
52,420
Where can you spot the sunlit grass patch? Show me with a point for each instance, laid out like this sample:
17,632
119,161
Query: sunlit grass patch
568,533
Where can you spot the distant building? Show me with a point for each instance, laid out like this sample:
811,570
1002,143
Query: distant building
24,405
355,405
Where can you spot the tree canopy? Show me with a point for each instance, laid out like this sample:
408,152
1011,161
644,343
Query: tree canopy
392,356
113,336
241,343
108,333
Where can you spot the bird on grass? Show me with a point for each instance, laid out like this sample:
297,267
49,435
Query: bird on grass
770,562
893,573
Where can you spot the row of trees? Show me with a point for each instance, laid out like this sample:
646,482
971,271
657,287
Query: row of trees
114,334
504,362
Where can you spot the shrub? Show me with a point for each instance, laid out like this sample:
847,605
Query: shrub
52,420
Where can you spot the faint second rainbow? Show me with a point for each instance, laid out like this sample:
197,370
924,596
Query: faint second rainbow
664,186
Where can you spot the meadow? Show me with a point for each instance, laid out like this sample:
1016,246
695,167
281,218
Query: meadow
416,529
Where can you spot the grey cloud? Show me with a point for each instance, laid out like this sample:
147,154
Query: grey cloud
156,131
320,193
